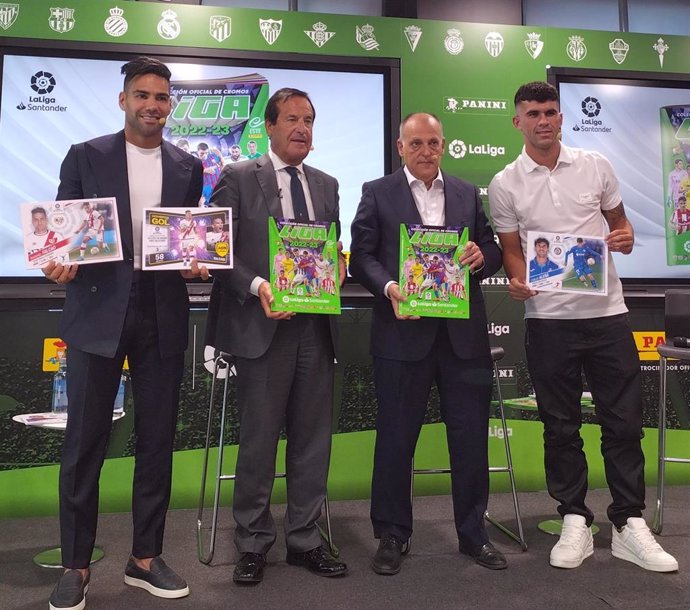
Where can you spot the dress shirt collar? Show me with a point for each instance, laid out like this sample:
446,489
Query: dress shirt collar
279,164
412,181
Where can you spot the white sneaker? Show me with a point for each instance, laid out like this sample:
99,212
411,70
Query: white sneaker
636,543
574,545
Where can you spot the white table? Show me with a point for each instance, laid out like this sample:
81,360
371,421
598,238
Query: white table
52,558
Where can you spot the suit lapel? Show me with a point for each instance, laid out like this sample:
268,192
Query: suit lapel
176,176
456,205
403,201
109,163
266,177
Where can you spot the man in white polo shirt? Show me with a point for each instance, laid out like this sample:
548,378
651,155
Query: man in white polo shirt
551,187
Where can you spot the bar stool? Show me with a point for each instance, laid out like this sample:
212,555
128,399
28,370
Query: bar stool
666,351
496,354
224,369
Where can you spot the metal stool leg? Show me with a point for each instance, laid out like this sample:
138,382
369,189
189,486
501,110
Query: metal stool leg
520,536
658,524
207,556
496,354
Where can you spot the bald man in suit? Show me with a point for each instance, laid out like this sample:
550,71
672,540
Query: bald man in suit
410,354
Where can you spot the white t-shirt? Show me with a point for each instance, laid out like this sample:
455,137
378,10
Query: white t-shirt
526,196
145,174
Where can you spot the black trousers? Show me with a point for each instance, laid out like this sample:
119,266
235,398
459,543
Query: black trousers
402,390
92,383
558,351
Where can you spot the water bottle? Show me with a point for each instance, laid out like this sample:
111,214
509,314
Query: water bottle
119,404
59,405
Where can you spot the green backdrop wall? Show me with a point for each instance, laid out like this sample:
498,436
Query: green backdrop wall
466,74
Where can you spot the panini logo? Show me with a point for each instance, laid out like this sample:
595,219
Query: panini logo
507,374
455,105
647,342
495,281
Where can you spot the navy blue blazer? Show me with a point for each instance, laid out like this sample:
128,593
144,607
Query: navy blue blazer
375,258
97,298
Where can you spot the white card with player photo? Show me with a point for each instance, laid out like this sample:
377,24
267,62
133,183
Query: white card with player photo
172,237
84,231
562,262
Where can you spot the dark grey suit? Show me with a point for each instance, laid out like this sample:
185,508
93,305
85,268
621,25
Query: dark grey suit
284,368
112,311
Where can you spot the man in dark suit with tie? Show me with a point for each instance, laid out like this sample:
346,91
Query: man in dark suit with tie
112,311
284,361
411,353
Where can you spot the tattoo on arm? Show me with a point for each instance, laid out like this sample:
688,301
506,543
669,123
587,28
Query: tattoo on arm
615,215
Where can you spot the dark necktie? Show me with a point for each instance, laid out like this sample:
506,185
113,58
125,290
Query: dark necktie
299,203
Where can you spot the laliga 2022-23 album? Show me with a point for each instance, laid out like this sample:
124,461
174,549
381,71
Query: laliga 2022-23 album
304,266
431,276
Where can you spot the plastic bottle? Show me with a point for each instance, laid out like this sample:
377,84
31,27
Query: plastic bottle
119,404
59,405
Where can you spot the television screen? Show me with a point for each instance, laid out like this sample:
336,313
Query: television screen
641,123
52,99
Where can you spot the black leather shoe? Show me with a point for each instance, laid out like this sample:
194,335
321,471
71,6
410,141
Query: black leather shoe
486,555
319,561
388,556
250,568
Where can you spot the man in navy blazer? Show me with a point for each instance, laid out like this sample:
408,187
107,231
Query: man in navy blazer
112,311
411,353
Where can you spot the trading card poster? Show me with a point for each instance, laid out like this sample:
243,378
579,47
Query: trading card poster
172,237
431,276
80,231
304,266
560,262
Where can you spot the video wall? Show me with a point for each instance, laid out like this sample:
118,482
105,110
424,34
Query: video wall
48,103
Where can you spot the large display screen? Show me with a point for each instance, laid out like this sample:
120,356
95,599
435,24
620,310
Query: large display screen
49,102
641,123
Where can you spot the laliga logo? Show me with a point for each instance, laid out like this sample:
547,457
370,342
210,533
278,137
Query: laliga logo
457,149
591,106
498,329
43,82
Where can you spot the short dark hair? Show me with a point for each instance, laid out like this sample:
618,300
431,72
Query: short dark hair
536,91
202,146
39,210
541,240
283,95
144,65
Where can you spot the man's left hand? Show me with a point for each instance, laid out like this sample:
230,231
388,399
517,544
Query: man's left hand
472,257
195,270
342,267
620,240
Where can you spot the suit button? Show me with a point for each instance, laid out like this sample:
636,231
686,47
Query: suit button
94,288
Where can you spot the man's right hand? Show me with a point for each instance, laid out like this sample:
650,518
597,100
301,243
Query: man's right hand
266,298
519,290
397,297
60,274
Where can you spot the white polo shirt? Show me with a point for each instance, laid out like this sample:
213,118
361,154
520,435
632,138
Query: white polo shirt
526,196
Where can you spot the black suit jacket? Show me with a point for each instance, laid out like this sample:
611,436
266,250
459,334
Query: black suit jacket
97,299
375,258
237,323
